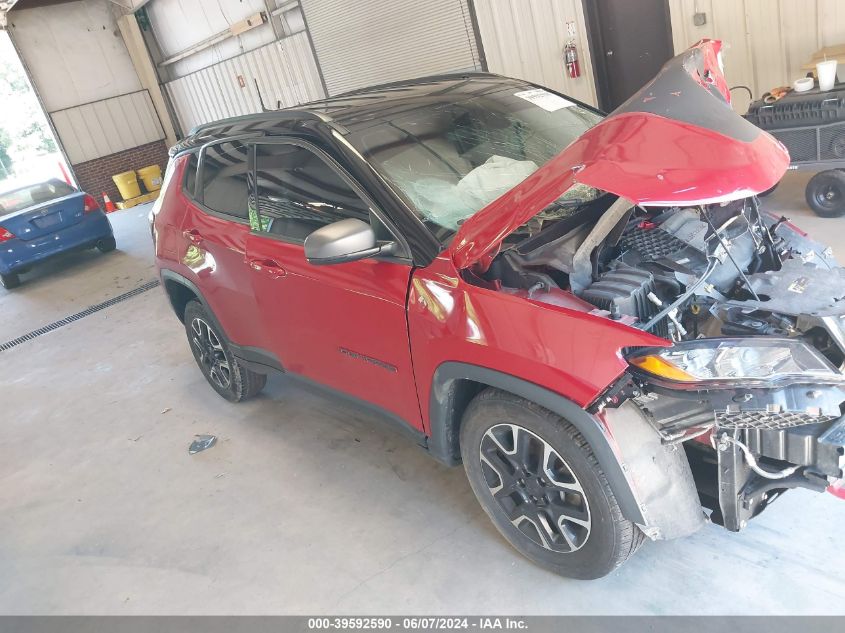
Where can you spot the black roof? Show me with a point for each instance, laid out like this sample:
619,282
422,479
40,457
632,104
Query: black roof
353,109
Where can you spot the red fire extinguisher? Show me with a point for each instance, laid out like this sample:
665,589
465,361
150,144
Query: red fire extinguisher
570,56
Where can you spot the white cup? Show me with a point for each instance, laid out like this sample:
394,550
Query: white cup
826,72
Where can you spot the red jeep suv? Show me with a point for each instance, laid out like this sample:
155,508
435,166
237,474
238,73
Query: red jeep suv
593,314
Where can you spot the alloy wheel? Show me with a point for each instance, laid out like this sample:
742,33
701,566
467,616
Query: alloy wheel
210,352
829,197
535,487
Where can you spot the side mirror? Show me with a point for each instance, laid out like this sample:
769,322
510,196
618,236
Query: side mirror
344,241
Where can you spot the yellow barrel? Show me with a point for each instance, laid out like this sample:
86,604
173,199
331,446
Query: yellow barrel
151,177
127,184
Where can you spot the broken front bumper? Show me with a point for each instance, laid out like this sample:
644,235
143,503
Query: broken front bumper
757,465
745,447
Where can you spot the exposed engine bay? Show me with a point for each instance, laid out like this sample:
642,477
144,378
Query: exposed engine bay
712,280
682,273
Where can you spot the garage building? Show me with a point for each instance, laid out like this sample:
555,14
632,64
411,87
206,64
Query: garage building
250,526
121,81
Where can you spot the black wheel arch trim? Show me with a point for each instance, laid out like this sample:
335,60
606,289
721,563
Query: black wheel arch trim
256,359
171,276
447,404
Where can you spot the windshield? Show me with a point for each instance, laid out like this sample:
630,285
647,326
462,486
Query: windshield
25,197
451,159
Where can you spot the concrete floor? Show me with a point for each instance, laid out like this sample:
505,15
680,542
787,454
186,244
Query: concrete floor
304,506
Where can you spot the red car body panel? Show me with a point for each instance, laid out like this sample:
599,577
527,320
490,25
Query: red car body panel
210,252
710,50
168,210
561,347
322,322
214,250
342,326
644,157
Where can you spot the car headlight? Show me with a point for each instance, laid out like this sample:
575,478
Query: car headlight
743,360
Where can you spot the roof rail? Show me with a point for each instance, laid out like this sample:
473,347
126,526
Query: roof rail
223,128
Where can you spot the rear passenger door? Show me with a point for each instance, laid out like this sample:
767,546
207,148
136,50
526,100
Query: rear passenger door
214,234
342,325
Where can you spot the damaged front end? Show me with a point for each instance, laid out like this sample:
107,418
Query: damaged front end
752,386
755,417
651,219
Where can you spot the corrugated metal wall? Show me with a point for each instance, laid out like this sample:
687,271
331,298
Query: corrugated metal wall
285,71
766,41
179,24
370,42
108,126
525,39
85,77
74,52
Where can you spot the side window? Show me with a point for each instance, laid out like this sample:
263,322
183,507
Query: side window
298,193
225,186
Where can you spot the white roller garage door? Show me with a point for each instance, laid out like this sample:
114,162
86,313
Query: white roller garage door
377,41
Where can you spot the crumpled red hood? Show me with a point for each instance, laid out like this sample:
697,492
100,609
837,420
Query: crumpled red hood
676,142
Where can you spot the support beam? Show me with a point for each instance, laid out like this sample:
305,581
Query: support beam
145,68
233,31
278,32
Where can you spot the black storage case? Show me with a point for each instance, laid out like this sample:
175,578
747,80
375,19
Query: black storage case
810,124
798,109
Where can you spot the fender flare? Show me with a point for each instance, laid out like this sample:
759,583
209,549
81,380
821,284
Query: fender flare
172,276
169,275
446,410
256,359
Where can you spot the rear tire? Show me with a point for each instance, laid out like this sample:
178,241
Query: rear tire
107,244
540,483
211,351
12,280
825,193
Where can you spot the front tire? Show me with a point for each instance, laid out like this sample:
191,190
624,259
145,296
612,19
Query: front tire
540,483
211,351
825,193
12,280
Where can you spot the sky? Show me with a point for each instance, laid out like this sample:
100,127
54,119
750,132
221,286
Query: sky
24,133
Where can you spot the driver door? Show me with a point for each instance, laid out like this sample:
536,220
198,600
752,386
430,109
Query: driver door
342,325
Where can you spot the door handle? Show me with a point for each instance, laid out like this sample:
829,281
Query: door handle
193,236
267,266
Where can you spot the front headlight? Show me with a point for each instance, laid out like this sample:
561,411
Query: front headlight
736,360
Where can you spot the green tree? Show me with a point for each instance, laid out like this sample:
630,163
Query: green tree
12,75
35,134
26,134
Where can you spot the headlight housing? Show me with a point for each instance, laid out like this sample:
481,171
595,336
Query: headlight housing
736,362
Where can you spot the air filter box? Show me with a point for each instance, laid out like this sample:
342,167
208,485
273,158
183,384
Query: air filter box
623,291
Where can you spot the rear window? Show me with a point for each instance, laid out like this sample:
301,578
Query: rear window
25,197
225,185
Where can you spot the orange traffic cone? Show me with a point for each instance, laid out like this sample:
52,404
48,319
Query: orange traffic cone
109,204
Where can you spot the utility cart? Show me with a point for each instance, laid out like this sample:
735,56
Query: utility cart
812,127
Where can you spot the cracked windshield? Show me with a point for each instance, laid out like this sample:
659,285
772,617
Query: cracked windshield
451,159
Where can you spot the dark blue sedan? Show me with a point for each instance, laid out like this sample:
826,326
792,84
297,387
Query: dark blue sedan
46,219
